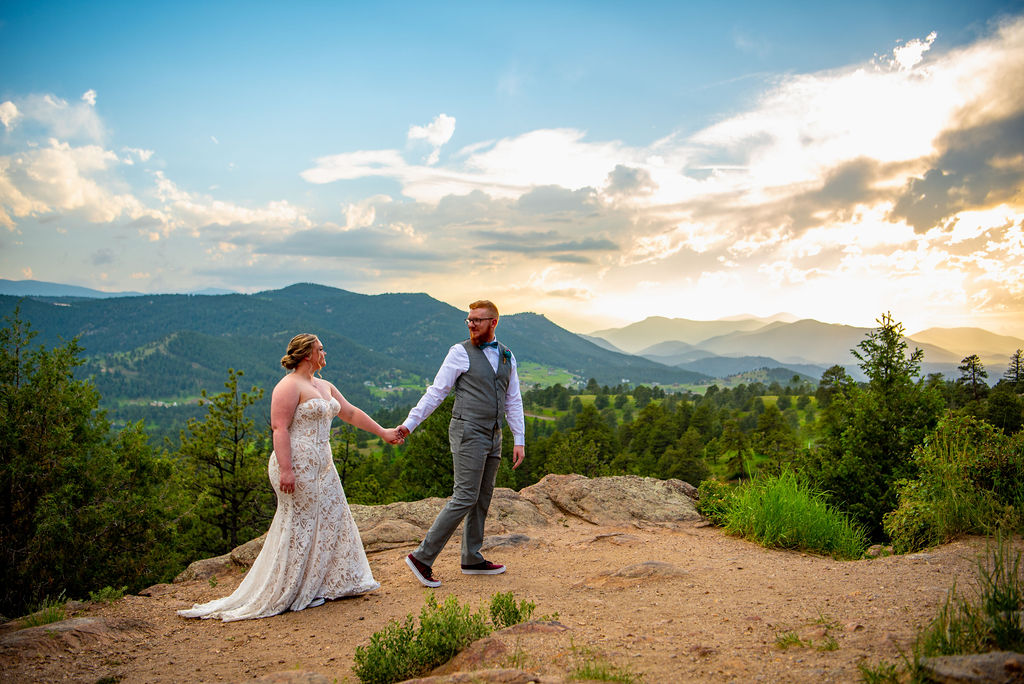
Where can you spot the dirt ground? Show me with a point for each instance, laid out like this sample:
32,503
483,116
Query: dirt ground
705,607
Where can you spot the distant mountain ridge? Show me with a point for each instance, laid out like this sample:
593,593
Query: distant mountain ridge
409,332
40,288
806,346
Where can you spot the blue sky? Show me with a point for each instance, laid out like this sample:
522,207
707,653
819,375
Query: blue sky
596,162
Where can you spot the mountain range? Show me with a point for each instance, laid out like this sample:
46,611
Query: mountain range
383,338
806,346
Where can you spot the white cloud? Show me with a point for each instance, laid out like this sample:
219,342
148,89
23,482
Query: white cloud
195,211
61,119
8,114
910,54
437,133
61,177
89,97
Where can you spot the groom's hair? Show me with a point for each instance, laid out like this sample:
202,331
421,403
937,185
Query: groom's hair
485,304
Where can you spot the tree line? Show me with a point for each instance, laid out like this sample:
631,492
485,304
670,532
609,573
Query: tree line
87,505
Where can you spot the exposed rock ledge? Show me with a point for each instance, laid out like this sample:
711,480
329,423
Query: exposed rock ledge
619,500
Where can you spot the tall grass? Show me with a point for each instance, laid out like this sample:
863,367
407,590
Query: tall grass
783,511
48,611
986,619
970,481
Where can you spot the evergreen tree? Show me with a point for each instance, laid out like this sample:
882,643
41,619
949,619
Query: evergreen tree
82,507
225,466
1015,371
684,460
868,435
972,376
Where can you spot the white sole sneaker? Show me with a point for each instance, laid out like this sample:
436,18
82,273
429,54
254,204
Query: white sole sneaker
432,583
492,571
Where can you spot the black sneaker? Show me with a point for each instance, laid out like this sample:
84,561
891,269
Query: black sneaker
423,572
483,568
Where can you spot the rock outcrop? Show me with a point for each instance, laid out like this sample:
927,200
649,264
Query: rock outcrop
620,500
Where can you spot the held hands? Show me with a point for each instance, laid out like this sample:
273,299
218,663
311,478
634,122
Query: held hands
395,435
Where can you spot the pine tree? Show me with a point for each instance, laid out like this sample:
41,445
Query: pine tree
225,466
82,507
1015,371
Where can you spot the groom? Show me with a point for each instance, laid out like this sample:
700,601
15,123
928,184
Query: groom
483,375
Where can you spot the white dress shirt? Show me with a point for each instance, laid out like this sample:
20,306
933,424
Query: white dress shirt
455,364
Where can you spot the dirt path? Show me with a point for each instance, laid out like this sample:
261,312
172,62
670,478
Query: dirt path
712,614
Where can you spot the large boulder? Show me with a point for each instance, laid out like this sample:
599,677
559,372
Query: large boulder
623,499
620,500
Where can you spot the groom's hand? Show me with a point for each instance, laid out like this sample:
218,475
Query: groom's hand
518,454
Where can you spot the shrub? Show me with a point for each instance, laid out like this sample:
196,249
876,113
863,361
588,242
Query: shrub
107,594
782,511
970,481
402,650
713,500
505,612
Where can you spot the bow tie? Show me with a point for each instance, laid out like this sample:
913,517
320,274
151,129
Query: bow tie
492,343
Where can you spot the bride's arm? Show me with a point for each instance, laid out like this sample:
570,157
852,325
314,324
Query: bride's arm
283,403
356,416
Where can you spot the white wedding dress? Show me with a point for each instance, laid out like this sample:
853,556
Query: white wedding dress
313,548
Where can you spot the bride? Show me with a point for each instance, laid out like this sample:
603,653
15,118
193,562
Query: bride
313,551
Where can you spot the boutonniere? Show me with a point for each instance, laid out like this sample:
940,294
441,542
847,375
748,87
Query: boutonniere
506,356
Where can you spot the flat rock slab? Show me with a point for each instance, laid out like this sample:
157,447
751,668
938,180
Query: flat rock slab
72,634
997,667
631,575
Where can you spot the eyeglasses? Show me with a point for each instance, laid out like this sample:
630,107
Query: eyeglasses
477,321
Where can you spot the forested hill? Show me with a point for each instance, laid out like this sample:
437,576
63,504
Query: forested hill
368,337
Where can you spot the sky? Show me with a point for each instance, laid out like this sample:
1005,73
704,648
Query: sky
595,162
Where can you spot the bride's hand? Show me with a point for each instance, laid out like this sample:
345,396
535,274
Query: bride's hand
393,436
287,482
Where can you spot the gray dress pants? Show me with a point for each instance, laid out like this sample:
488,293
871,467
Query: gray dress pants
476,453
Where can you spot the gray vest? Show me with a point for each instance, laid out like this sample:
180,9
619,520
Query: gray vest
480,391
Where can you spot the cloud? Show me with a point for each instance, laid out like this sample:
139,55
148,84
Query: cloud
910,54
8,114
62,177
89,97
195,211
57,118
436,133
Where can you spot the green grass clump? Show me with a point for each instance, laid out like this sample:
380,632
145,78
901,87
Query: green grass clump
782,511
788,639
881,673
403,650
107,594
50,610
505,612
594,667
988,619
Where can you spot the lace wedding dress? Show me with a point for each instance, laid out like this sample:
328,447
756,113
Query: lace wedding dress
313,548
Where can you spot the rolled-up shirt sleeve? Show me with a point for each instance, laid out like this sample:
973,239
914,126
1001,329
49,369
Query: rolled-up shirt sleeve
455,364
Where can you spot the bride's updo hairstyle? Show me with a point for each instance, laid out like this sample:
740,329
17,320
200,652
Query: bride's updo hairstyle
299,348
